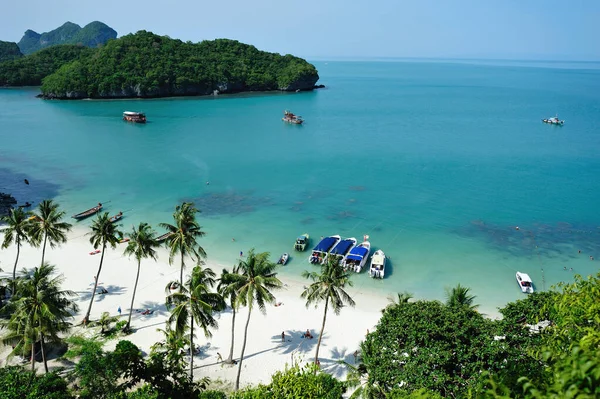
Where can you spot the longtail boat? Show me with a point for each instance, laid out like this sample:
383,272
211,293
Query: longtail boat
163,237
116,217
89,212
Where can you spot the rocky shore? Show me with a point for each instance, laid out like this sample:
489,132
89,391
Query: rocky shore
7,202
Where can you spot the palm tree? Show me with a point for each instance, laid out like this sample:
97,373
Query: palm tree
47,226
39,311
459,297
142,242
194,302
104,233
254,281
229,291
327,286
400,298
17,230
185,232
105,321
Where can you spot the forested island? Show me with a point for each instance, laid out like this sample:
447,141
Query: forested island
148,65
9,51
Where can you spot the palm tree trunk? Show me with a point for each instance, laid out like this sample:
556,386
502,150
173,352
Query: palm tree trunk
237,380
137,277
14,284
181,272
43,353
33,356
230,358
44,247
192,347
87,314
322,329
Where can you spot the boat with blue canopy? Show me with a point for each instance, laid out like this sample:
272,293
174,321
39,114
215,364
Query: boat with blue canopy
343,248
357,257
322,248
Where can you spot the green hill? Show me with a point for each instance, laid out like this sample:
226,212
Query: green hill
9,51
92,35
31,69
148,65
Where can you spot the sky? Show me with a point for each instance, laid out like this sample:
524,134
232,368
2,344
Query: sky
349,29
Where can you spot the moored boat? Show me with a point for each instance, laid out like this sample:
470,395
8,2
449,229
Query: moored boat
554,121
283,259
341,250
292,118
137,117
116,218
89,212
163,237
525,282
322,248
301,242
377,269
357,257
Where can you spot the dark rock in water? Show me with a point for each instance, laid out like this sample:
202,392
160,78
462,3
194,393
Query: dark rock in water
319,87
6,203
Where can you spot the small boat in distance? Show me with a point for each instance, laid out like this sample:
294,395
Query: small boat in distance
137,117
525,282
301,242
322,248
116,217
357,257
341,250
377,264
89,212
163,237
292,118
283,259
554,121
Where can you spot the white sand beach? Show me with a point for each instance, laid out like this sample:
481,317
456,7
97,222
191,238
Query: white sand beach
265,351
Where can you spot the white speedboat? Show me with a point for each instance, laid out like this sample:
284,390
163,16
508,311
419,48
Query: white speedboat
342,249
357,257
283,259
525,283
554,121
377,264
320,251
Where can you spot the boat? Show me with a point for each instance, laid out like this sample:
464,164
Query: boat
525,282
357,257
163,237
116,217
322,248
137,117
377,269
301,242
283,259
341,250
292,118
554,121
88,213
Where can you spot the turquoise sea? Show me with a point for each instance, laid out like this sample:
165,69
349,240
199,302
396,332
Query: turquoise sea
437,162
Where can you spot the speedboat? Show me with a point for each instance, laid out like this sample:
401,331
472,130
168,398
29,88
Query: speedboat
283,259
554,121
320,251
341,250
525,282
301,242
377,264
357,257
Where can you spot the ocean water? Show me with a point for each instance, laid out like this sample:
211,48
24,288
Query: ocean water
438,162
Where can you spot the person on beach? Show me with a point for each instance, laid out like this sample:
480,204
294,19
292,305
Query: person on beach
283,336
355,355
119,310
219,358
241,254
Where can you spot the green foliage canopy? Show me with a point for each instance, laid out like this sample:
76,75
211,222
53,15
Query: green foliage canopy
9,51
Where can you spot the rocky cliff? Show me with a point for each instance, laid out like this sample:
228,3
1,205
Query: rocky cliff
91,35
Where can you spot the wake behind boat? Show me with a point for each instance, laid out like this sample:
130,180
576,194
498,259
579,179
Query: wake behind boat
525,282
357,257
322,248
377,264
89,212
341,250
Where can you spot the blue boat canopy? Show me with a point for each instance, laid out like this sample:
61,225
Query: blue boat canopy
358,253
342,247
325,244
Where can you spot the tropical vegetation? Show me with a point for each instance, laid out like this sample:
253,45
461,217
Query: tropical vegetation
47,226
18,223
9,51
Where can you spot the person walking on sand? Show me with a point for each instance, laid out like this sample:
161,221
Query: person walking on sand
283,336
219,358
119,310
241,254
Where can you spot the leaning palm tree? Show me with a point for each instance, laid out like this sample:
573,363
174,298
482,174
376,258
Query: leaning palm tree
39,311
184,234
103,233
142,241
229,290
254,282
400,298
327,286
459,297
47,226
194,303
18,223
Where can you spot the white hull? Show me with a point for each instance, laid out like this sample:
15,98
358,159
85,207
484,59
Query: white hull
352,264
317,256
283,259
524,282
377,269
342,257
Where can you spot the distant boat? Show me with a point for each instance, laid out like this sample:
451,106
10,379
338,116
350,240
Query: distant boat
116,217
322,248
554,121
283,259
88,213
525,282
377,269
301,242
294,119
137,117
357,257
